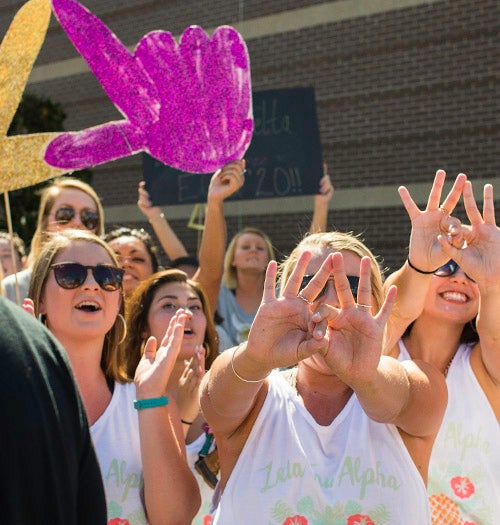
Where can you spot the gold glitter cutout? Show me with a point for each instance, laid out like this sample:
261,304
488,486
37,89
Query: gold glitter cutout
21,156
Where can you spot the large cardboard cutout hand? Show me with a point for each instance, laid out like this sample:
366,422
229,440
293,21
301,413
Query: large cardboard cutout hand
22,156
187,105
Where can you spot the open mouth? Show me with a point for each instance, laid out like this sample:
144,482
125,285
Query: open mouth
456,297
188,331
88,306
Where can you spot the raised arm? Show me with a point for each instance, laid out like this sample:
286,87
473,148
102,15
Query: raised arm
223,184
412,396
171,492
235,387
169,241
321,203
425,254
480,259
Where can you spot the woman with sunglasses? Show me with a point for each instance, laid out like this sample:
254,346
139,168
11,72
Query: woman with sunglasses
346,435
446,313
76,290
65,203
149,310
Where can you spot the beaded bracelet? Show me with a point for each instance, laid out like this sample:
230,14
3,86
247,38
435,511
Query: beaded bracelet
152,402
418,269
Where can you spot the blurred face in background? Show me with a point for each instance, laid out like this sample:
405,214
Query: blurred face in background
8,265
250,253
73,209
134,258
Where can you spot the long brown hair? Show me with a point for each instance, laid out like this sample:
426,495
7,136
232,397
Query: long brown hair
111,365
137,317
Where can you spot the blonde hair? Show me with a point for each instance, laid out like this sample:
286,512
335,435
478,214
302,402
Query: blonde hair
111,365
336,242
47,199
230,277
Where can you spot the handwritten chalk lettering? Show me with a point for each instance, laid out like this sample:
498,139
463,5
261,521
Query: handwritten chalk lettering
284,157
269,121
280,182
261,177
117,472
465,441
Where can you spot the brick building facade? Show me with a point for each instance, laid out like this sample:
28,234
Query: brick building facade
403,87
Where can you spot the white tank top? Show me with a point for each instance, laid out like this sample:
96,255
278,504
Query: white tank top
464,471
116,440
293,470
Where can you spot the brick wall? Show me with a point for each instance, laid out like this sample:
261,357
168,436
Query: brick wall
399,94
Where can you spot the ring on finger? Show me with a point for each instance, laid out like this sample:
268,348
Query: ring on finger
300,296
360,305
442,209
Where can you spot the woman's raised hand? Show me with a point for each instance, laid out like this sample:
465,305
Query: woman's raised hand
156,365
188,398
281,333
354,333
479,256
425,250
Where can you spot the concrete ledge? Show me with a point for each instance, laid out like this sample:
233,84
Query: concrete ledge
343,199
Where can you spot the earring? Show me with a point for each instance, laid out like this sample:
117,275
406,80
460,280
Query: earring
124,335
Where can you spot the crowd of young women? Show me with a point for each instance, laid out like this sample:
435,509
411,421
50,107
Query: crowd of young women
344,398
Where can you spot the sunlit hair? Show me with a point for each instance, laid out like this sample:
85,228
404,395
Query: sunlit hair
141,235
138,311
230,277
17,243
57,242
47,198
336,242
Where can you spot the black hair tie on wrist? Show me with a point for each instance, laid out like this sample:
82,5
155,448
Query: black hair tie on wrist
186,422
418,270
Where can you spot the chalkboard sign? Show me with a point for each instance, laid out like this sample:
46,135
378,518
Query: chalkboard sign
283,160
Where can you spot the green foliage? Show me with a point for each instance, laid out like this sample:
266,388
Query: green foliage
35,114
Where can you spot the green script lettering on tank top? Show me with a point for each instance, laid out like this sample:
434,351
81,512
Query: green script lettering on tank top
117,473
351,472
281,474
463,441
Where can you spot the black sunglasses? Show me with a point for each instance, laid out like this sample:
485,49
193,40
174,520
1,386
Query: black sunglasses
353,284
90,219
73,275
449,269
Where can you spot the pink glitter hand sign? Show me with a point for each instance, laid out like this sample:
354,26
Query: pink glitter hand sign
187,105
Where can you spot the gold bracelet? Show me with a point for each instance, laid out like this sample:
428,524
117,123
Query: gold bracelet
160,217
242,378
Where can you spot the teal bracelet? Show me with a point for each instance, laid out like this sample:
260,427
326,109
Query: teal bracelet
152,402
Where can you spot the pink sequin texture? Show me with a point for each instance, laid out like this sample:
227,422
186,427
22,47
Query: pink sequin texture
188,105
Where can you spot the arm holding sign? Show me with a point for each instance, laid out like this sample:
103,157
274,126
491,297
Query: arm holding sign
321,202
169,241
223,184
